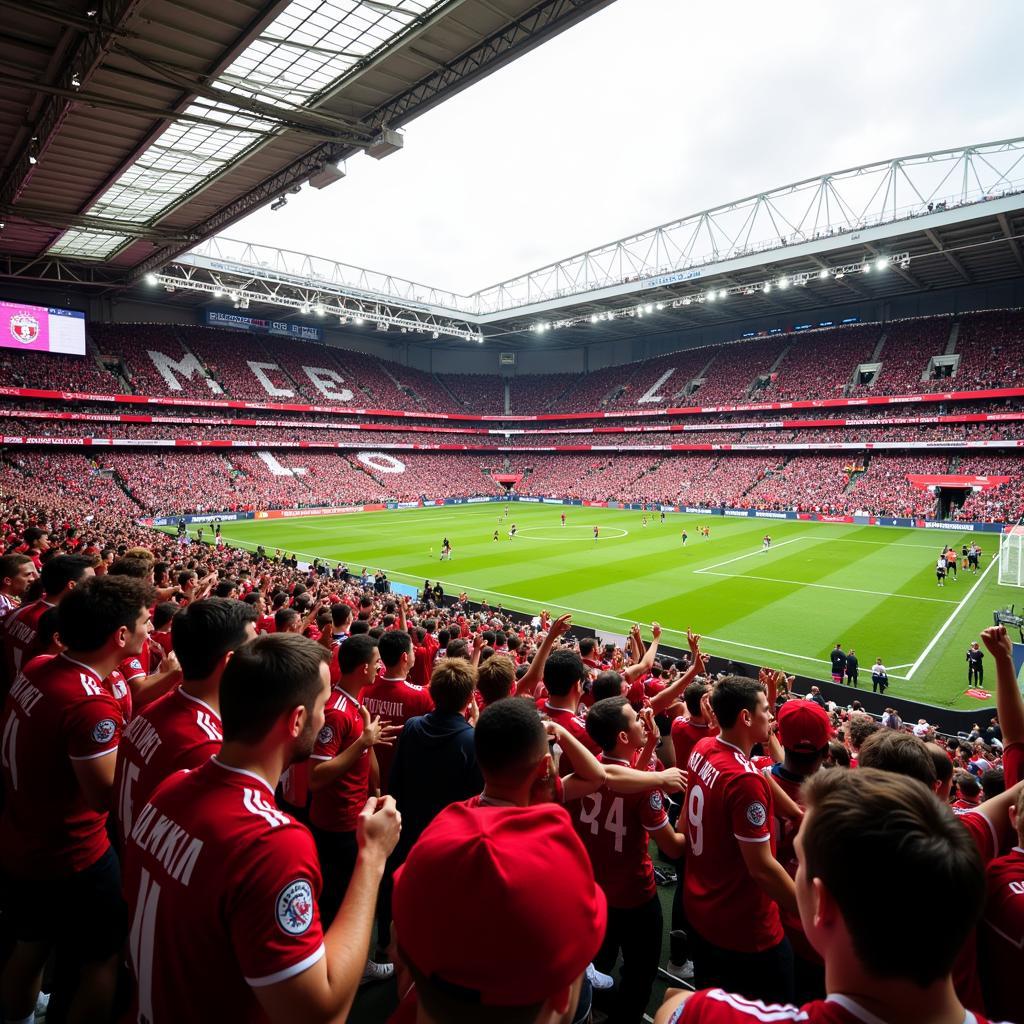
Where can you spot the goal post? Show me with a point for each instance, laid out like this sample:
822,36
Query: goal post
1011,556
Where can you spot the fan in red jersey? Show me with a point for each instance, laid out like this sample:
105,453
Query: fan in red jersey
182,729
234,897
564,676
59,577
17,574
868,832
987,825
61,727
734,886
344,769
1001,934
391,697
616,827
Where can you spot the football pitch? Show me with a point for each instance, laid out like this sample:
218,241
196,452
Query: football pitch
872,589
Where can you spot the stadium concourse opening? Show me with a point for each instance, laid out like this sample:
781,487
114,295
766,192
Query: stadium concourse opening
372,650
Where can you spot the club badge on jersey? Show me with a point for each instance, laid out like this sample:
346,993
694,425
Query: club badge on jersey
295,907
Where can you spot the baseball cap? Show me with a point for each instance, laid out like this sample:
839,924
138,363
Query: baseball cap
498,905
804,726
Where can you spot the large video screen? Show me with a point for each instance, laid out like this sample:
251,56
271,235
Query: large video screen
42,329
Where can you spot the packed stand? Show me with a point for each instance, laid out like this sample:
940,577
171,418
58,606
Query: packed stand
908,349
684,367
805,483
482,393
1002,504
735,369
821,363
50,372
884,489
989,346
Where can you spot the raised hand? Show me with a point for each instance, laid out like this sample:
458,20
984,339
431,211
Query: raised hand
997,641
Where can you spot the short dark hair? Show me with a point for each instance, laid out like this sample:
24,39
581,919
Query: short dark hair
451,685
340,613
910,844
967,785
605,720
993,782
900,753
58,572
562,671
284,617
359,628
940,762
495,678
164,613
206,630
225,588
588,645
393,644
508,737
11,564
100,606
692,696
733,695
356,651
607,684
265,679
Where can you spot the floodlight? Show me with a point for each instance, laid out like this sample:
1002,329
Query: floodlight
767,287
218,292
151,279
661,305
687,300
881,263
279,203
723,294
434,335
648,308
710,296
783,282
866,268
823,273
593,318
359,320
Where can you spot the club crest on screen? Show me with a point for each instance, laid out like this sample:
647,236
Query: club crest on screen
24,328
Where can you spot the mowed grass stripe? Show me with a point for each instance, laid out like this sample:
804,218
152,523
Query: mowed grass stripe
649,575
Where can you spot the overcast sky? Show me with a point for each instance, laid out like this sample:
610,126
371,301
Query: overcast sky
653,109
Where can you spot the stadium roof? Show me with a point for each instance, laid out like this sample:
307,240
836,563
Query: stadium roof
910,224
133,129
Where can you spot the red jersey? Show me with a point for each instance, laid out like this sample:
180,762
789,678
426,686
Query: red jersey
220,884
19,635
264,624
424,663
1001,934
615,830
59,713
574,725
335,808
713,1006
1013,763
120,691
396,701
728,802
176,733
163,640
685,733
335,668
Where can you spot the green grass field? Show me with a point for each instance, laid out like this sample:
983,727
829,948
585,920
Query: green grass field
871,588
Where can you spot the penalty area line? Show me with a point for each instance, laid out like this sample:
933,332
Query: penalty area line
952,618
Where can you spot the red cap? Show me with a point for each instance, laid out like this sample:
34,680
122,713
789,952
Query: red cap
499,904
804,726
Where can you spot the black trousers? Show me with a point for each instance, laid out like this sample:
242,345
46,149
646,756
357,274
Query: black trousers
975,673
879,685
338,852
851,676
767,975
637,933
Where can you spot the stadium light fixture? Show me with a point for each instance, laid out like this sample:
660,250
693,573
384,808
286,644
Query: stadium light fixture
218,292
767,287
822,274
319,309
866,268
723,294
279,203
358,320
593,318
480,338
434,335
151,279
710,296
783,283
881,263
76,82
687,301
661,305
648,308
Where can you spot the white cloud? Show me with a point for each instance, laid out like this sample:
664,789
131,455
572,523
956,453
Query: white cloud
654,109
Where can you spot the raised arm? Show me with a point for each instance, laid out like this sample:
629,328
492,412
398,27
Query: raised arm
535,673
670,694
646,662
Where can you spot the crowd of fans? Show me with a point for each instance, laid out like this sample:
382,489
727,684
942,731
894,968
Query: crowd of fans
821,363
223,764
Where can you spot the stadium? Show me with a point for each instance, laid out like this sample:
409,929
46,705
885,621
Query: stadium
791,423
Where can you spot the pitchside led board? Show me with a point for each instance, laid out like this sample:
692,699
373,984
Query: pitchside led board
42,329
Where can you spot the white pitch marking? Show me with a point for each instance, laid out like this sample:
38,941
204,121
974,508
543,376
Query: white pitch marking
749,554
949,622
826,586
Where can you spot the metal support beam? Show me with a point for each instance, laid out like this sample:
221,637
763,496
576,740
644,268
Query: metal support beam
1004,226
951,258
84,59
104,225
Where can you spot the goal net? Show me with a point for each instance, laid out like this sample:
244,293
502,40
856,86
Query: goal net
1011,556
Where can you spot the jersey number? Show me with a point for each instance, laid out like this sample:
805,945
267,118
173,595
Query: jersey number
141,943
694,814
614,822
